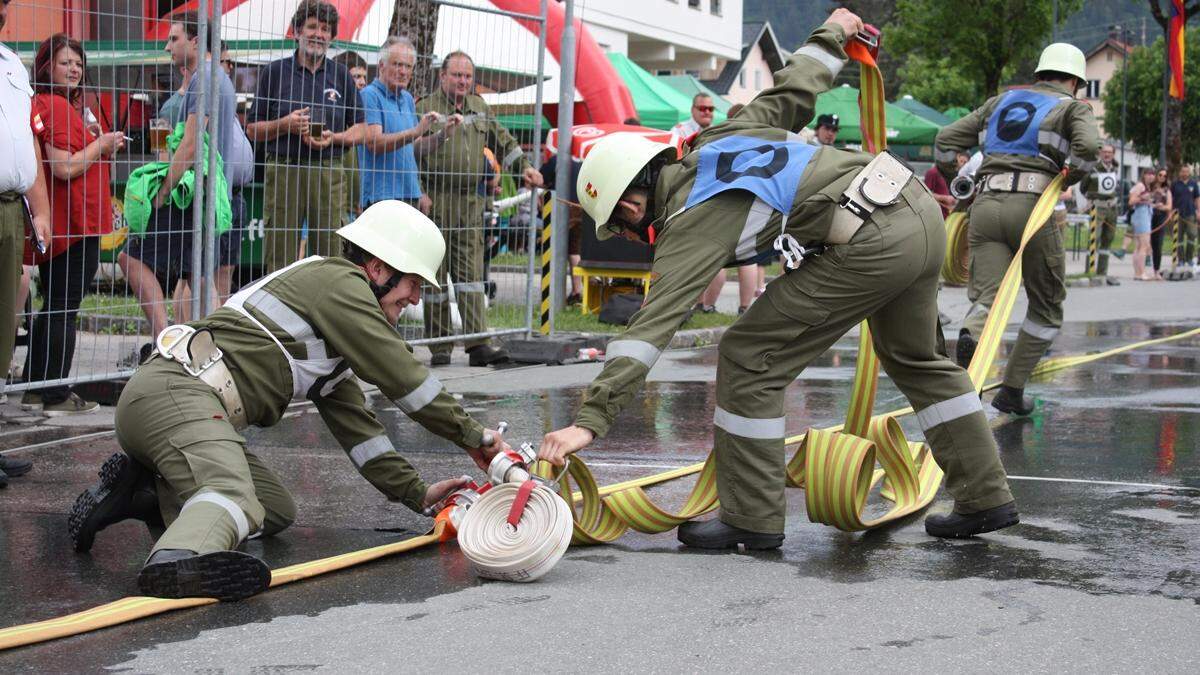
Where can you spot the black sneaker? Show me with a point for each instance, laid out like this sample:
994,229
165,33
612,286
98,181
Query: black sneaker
964,351
224,575
486,355
961,525
714,534
1012,400
114,499
15,467
3,479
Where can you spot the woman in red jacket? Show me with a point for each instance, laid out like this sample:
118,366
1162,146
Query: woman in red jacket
76,151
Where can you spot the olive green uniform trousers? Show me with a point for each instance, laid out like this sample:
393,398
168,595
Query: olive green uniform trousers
1106,220
12,248
887,274
1185,243
212,492
996,223
296,193
460,217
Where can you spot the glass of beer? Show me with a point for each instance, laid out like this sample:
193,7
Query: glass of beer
159,130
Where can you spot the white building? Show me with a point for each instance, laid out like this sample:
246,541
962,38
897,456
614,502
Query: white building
668,37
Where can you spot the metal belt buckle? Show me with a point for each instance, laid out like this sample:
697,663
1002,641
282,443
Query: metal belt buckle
869,36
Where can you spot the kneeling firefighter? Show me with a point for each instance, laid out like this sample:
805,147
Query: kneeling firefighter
863,240
1027,136
304,332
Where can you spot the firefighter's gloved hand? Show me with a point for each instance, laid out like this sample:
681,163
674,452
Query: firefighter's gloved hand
483,455
438,491
558,444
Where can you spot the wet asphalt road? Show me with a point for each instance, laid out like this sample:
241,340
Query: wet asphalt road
1103,573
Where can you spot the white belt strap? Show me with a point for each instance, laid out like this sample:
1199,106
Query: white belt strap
768,429
235,511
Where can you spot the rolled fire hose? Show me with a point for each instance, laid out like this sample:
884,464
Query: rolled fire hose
515,528
955,266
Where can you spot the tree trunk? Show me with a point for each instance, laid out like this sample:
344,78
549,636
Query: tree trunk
417,20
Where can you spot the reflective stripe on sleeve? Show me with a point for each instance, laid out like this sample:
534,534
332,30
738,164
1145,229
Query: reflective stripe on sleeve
421,396
512,157
1054,140
469,287
982,137
638,350
235,511
1080,164
369,450
748,427
830,61
281,315
950,409
1039,331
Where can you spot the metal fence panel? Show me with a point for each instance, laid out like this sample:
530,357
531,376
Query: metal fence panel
114,93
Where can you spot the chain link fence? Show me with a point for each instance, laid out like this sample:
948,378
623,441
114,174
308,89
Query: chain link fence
190,148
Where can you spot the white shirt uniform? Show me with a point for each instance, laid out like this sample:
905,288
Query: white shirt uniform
685,130
18,169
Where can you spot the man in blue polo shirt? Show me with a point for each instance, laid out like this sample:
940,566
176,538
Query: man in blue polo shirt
386,159
307,113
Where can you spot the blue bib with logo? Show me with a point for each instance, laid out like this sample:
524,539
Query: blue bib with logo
1013,126
769,169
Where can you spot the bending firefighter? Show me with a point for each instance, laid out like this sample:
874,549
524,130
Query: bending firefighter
863,240
304,332
1027,137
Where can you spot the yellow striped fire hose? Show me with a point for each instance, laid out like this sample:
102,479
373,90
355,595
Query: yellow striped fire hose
836,466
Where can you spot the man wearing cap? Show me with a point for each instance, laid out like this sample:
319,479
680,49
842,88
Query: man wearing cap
1027,137
827,130
307,331
863,239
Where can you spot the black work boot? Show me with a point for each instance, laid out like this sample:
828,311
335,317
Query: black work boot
716,534
960,525
486,355
224,575
439,359
1012,400
964,351
15,467
3,479
125,490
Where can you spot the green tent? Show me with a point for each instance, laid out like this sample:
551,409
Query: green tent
903,127
919,109
957,112
689,86
659,105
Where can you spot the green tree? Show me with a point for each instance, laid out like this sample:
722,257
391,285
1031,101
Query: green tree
938,82
1143,122
979,41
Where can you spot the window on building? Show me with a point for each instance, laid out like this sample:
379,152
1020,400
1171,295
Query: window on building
1108,56
758,79
1093,89
742,79
694,4
715,7
662,72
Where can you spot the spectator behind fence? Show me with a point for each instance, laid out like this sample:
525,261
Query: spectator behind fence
76,153
357,67
163,255
1140,200
940,188
394,132
1161,202
23,204
1185,194
451,176
306,110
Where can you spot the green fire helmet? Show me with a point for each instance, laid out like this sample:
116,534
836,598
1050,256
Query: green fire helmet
400,236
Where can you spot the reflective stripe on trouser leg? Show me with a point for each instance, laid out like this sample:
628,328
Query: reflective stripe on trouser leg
966,451
1044,276
1108,229
209,521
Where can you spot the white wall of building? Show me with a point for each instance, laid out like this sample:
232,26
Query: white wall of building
676,35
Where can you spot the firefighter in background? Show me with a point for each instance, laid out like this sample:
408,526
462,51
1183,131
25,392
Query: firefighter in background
1102,189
